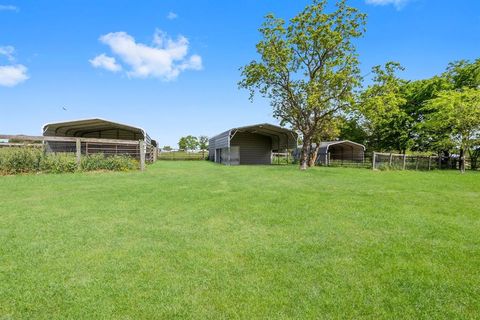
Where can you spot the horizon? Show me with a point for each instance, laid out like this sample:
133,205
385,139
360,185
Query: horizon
172,68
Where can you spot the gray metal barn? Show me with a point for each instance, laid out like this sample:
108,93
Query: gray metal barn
108,131
251,144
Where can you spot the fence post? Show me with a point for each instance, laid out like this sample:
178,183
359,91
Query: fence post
141,144
390,160
404,161
373,160
79,152
429,162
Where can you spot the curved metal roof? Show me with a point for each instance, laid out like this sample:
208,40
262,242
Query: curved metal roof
285,138
326,144
95,127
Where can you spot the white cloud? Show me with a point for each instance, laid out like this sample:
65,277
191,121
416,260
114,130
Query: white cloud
165,59
8,7
397,3
172,15
105,62
8,52
12,75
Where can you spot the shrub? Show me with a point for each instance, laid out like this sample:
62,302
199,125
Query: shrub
58,163
113,163
31,160
20,160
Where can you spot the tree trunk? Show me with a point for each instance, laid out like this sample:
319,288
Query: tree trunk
313,155
304,155
473,158
462,160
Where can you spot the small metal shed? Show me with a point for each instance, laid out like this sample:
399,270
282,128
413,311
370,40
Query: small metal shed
250,144
344,150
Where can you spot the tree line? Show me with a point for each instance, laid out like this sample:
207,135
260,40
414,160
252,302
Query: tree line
309,70
191,143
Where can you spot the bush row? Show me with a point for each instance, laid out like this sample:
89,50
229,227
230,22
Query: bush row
32,160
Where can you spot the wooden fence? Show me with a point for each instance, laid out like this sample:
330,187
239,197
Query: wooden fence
86,146
176,154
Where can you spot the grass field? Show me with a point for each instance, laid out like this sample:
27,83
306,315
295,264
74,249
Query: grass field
199,240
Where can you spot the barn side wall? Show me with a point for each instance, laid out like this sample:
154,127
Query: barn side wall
254,148
218,142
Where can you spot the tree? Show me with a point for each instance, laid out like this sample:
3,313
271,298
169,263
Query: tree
381,106
203,144
392,110
182,143
464,73
417,93
457,113
188,143
308,68
167,148
351,128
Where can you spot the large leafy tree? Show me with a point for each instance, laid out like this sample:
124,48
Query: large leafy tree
308,67
188,143
416,94
455,99
381,106
456,113
392,110
182,143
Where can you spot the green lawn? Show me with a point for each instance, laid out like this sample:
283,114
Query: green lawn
199,240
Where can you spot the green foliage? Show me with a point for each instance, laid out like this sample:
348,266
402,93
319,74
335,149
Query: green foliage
464,73
33,160
406,115
20,160
351,129
455,115
203,142
99,161
381,106
182,144
308,67
58,163
188,143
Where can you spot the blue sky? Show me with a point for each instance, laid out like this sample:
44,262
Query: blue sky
171,67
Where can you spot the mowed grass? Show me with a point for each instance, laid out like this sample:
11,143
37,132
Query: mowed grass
199,240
